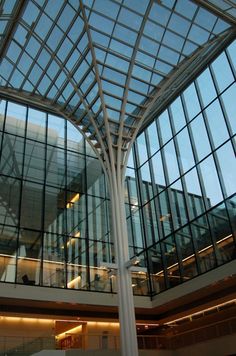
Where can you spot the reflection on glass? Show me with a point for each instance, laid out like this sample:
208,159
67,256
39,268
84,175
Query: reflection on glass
9,200
31,205
29,256
8,247
34,161
56,131
165,213
156,269
186,253
12,155
36,125
54,251
2,113
203,242
171,262
15,119
221,232
194,196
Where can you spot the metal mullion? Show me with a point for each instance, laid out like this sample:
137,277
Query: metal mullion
232,67
3,128
140,195
21,194
213,149
76,89
154,185
105,65
192,67
216,252
31,32
72,72
12,23
187,35
86,222
179,162
185,193
130,214
115,21
152,69
173,31
44,42
112,52
161,41
41,275
73,93
216,11
166,175
65,236
15,64
64,85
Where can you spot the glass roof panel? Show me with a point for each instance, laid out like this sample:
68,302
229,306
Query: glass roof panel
95,54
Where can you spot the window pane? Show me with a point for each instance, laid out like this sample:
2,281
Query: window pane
171,159
223,74
36,125
185,150
230,107
200,137
178,114
211,182
191,101
216,121
194,195
31,205
206,87
15,120
226,157
8,246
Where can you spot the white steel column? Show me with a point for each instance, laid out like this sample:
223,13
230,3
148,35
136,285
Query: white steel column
128,335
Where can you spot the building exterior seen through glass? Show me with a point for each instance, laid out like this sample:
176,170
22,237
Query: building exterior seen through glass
179,192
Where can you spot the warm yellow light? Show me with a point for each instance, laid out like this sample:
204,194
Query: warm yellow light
74,330
73,200
202,311
77,234
25,320
71,283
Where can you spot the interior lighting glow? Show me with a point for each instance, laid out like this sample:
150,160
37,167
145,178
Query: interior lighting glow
75,198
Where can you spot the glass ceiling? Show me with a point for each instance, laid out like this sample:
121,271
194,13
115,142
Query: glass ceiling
100,62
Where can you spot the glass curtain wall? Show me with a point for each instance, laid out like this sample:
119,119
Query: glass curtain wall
186,174
53,214
180,193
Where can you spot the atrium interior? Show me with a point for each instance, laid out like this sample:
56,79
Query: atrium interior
118,177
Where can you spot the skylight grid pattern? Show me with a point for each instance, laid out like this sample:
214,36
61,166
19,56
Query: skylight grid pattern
101,62
167,38
227,6
49,56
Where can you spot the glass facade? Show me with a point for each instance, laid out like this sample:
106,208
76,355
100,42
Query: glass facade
186,172
180,193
